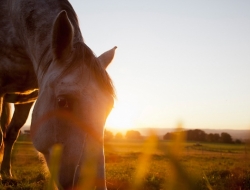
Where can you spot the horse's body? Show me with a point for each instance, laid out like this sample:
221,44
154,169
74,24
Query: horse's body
41,47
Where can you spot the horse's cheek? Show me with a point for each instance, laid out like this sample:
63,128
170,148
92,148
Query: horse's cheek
41,128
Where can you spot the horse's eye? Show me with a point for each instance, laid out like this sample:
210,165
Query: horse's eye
62,103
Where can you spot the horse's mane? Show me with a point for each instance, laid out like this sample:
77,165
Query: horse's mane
83,54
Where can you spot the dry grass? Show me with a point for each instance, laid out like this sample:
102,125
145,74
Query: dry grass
149,164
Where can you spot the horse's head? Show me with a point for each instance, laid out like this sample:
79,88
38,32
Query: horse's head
75,98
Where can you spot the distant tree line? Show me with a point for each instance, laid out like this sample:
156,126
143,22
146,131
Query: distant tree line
130,134
196,135
200,136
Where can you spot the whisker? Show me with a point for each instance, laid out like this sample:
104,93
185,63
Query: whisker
78,164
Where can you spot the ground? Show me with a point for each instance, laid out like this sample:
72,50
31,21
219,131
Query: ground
149,164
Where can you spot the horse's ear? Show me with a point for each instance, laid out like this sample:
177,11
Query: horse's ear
106,58
62,36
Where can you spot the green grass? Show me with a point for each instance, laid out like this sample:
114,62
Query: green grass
188,166
150,164
28,169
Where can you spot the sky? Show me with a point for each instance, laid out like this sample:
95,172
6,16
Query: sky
177,61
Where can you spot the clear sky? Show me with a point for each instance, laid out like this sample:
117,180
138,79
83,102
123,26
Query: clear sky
177,61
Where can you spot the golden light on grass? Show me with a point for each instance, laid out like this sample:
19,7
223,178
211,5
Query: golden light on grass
207,182
178,141
54,166
149,147
208,166
88,174
179,178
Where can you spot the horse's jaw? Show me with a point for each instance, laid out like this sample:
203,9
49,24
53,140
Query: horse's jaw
79,168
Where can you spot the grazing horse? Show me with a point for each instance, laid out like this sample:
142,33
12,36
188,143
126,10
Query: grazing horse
43,56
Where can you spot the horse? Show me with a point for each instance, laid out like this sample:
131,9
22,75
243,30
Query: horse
43,58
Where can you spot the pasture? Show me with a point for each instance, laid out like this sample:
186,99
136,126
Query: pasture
149,164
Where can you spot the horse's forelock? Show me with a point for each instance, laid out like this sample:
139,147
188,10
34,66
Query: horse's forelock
82,56
90,60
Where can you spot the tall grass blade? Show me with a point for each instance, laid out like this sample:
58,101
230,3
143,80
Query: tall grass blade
142,169
54,166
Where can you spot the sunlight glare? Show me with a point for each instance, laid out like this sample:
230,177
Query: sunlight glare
123,116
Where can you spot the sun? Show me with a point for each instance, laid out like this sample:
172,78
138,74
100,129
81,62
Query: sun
123,116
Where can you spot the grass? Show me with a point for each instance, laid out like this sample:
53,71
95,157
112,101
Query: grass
207,166
28,169
149,164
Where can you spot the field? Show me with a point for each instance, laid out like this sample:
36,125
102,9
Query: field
149,164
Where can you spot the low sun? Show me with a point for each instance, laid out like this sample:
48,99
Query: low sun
123,116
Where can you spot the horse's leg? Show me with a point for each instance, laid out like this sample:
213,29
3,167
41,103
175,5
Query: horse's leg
5,121
20,116
1,132
5,116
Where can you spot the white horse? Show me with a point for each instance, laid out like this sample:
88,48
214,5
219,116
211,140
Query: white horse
43,56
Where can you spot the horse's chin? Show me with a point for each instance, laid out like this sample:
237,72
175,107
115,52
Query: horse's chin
78,161
69,178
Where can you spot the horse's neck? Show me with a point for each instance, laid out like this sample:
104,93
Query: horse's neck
34,28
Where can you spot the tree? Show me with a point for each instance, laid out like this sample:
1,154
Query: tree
216,137
167,136
108,135
238,141
213,137
119,136
131,134
226,138
209,137
196,135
